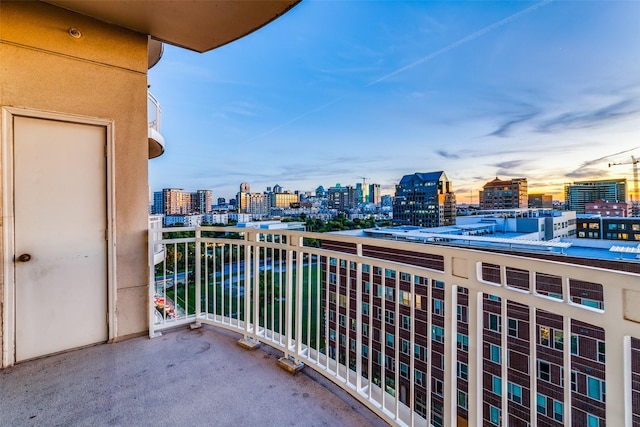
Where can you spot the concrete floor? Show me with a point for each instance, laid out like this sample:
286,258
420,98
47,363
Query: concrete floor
184,378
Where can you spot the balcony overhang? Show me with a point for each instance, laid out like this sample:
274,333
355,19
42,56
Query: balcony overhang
196,25
156,143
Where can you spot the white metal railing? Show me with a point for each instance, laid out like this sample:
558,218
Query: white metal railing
154,112
392,333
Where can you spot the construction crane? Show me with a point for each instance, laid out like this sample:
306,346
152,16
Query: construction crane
364,179
635,199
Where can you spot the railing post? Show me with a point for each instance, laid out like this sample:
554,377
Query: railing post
197,278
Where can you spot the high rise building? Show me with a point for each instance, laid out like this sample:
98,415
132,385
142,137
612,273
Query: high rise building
581,192
157,208
203,201
504,194
174,201
425,200
374,193
362,191
342,198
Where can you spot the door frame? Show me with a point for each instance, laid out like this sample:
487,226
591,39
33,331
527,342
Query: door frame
8,225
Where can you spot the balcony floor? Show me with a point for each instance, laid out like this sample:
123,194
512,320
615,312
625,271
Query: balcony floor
186,377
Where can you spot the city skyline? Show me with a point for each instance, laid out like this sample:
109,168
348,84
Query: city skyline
334,91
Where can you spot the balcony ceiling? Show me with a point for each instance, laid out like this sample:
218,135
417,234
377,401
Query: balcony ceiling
199,25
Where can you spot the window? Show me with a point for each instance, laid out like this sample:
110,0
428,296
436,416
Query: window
341,319
417,377
495,353
574,381
558,340
463,342
421,404
367,287
461,313
332,279
558,410
462,399
404,370
332,297
404,348
514,392
352,344
438,387
418,302
495,415
388,293
496,385
544,371
365,309
378,313
438,284
365,330
595,388
495,322
365,268
390,340
405,297
390,363
389,317
438,307
437,334
406,322
365,351
342,300
593,421
462,371
390,273
601,351
574,344
512,327
541,404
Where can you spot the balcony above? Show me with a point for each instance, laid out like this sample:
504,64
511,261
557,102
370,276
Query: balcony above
186,377
197,25
156,140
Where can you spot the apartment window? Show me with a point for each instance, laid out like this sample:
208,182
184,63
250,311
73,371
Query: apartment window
462,371
438,387
389,317
404,370
342,300
365,308
512,327
406,322
438,307
496,385
558,340
332,297
418,302
495,353
353,325
462,399
404,346
438,284
495,322
417,377
390,340
574,344
421,404
365,268
437,334
332,261
544,371
365,330
341,319
352,344
495,415
461,313
541,404
574,381
405,277
379,291
601,352
463,342
365,351
390,363
514,392
332,278
405,298
417,351
593,421
388,293
493,298
595,388
367,287
558,411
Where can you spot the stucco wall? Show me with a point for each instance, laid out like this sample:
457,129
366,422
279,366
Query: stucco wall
101,74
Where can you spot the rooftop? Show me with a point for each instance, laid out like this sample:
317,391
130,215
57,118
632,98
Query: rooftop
185,377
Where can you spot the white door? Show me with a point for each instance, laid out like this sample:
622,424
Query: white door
60,218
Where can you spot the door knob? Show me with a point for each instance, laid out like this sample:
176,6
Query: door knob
24,258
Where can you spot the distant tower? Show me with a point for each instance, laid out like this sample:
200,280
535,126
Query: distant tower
245,188
425,200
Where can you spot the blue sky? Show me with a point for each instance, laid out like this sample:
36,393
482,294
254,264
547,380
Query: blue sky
337,90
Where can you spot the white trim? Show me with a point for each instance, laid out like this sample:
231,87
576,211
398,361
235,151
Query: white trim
6,159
